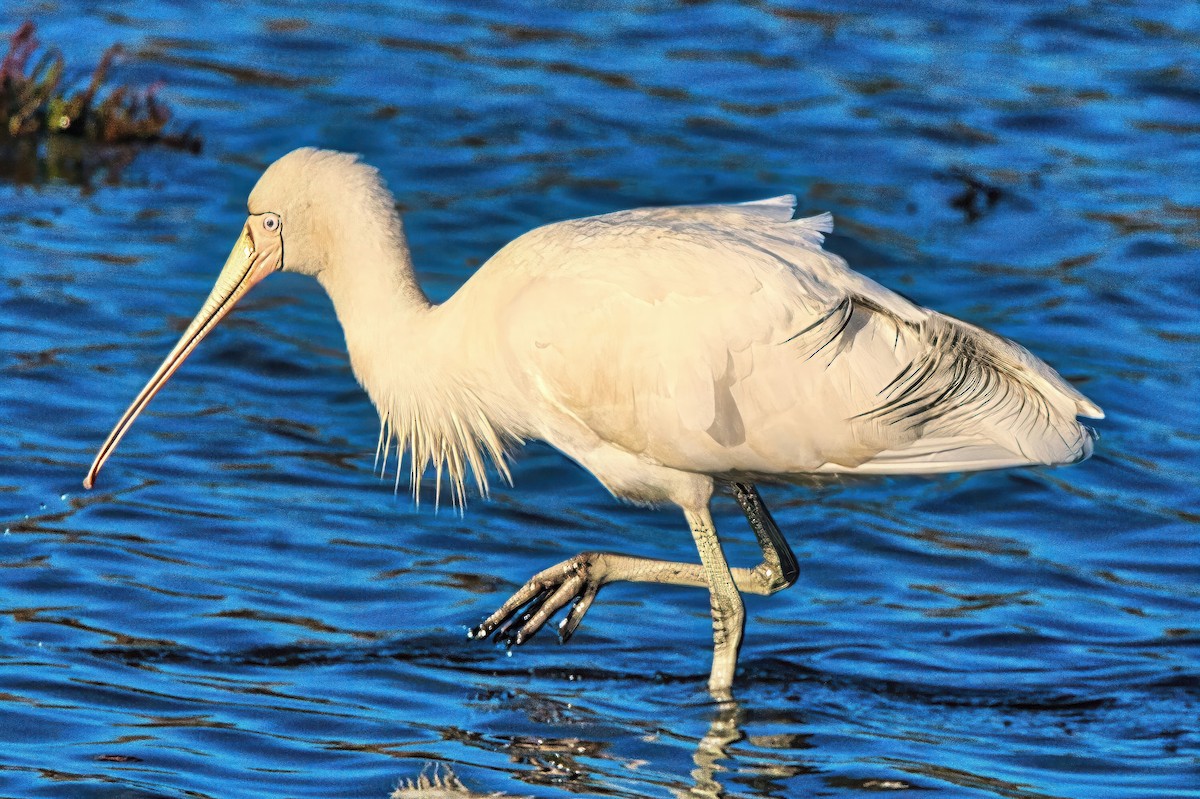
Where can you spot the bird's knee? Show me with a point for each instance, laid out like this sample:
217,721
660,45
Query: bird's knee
774,578
728,609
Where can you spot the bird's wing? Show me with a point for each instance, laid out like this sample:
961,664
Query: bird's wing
725,340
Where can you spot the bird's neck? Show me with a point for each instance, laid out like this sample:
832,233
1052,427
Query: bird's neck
377,300
430,402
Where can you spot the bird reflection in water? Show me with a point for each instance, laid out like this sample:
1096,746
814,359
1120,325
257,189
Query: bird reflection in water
576,764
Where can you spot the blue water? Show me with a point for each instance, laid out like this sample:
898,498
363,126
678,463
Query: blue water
242,609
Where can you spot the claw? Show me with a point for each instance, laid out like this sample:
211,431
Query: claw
505,631
546,593
568,626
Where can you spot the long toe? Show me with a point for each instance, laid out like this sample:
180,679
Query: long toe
536,618
546,593
568,626
524,595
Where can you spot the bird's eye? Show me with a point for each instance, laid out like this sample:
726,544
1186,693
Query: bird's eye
271,222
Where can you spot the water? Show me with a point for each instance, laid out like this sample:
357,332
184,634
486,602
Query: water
242,609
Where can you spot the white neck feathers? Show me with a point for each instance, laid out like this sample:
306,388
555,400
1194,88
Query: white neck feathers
427,398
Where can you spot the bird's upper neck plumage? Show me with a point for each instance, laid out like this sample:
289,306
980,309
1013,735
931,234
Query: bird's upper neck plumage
429,400
369,277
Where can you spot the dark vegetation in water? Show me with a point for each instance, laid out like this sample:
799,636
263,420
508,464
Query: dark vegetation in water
50,132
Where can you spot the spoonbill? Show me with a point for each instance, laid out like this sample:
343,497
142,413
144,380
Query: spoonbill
670,351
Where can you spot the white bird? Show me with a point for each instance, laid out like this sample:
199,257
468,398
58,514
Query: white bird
669,351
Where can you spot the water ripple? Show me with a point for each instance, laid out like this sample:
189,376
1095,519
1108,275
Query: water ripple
247,610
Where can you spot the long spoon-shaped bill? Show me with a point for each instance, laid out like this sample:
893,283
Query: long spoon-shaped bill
247,265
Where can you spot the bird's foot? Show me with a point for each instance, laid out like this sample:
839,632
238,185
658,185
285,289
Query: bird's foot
527,611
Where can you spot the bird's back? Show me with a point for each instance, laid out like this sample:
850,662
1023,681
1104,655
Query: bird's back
725,340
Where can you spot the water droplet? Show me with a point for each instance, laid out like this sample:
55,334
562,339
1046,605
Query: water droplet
42,506
65,497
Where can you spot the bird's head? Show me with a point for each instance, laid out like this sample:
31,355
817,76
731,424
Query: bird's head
317,196
295,212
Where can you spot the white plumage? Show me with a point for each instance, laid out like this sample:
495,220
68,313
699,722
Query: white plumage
667,350
724,340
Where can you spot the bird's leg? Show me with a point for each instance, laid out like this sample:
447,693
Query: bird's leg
779,569
728,612
578,579
582,577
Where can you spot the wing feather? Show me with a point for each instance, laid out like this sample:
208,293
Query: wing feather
726,340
